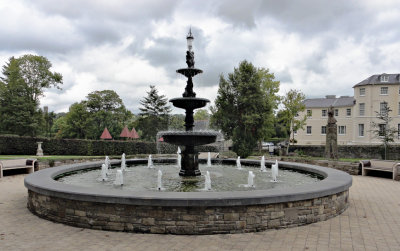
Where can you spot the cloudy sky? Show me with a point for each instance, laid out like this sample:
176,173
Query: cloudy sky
319,47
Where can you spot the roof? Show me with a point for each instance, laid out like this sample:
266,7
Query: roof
106,134
134,134
330,100
376,80
125,133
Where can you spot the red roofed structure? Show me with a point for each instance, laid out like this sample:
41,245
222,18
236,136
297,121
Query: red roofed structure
134,134
106,134
125,133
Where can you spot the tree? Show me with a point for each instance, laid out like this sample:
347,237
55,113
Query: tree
88,118
76,123
244,106
24,81
293,104
107,110
201,114
382,129
176,122
154,114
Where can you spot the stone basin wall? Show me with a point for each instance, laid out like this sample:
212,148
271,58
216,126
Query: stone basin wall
186,220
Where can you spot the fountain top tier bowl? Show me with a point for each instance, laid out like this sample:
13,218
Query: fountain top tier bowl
189,103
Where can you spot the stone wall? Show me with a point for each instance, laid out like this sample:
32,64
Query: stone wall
352,151
351,168
186,220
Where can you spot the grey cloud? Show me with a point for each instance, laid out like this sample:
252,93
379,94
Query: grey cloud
283,76
240,13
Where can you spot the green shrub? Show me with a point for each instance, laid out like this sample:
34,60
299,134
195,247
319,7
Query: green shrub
13,145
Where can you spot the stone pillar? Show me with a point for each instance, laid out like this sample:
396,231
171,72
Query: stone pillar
331,150
39,151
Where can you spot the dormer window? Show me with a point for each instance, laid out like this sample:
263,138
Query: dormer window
384,78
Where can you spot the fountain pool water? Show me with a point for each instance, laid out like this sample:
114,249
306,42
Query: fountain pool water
207,181
238,164
150,162
123,162
263,168
225,178
119,178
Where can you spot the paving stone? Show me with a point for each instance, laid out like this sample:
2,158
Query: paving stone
371,222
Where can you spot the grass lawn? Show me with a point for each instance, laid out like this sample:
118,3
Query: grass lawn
53,157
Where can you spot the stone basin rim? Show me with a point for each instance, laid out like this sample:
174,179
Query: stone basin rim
43,182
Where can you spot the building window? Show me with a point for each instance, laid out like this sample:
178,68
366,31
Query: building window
348,112
323,113
384,90
323,130
382,129
399,90
362,109
342,130
398,131
362,91
382,108
336,112
308,129
309,113
399,108
384,78
360,130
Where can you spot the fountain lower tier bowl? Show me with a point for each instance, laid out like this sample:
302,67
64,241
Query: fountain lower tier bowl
189,103
189,138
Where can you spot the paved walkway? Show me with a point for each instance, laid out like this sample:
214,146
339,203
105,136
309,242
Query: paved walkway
372,222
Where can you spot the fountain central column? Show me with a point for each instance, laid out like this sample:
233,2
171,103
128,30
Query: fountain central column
189,138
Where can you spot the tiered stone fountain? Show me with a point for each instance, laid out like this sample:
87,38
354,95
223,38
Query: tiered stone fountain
189,138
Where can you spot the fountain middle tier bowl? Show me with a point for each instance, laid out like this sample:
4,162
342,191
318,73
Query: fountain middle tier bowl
189,138
189,103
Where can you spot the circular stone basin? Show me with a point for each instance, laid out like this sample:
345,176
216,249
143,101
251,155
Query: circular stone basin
189,103
187,212
189,138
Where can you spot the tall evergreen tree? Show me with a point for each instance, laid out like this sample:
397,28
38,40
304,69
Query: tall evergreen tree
154,114
21,86
244,106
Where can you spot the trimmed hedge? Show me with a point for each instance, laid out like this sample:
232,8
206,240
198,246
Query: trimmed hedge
13,145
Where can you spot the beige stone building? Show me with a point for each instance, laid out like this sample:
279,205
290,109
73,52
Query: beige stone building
353,114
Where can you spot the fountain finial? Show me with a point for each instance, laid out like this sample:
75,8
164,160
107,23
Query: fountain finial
189,39
189,52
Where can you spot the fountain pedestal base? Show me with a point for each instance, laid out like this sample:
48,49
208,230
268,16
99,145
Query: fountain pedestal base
190,164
